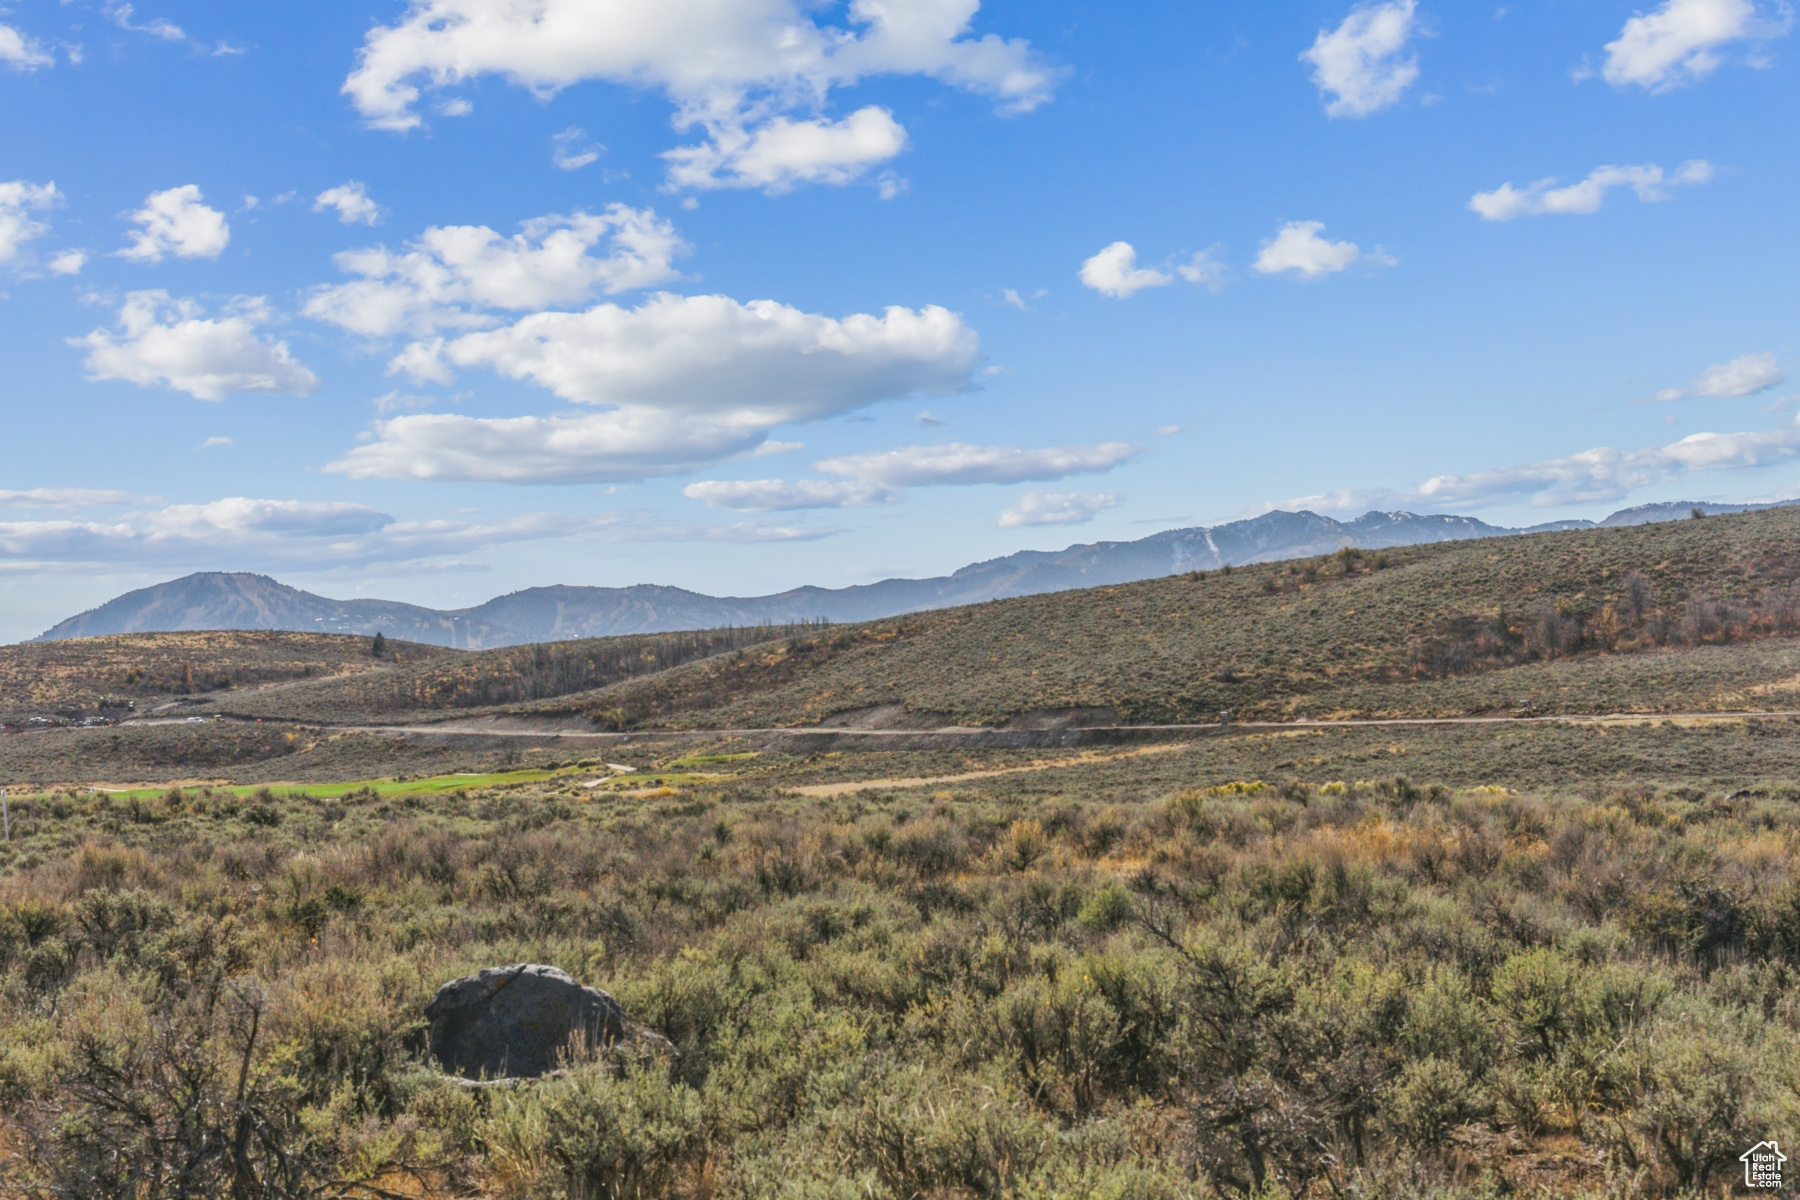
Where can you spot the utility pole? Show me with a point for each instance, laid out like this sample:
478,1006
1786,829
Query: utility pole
5,815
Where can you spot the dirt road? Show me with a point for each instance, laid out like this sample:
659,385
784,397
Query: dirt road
1080,760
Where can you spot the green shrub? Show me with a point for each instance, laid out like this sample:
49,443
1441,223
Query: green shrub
1105,909
594,1135
1431,1097
1715,1083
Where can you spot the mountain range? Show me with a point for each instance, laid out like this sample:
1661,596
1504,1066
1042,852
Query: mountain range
221,600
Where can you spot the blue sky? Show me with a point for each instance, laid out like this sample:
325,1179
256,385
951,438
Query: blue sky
439,299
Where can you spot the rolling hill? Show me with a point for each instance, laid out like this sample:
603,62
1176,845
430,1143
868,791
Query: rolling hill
217,600
1665,617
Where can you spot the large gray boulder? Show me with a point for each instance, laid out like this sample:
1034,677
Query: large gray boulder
512,1022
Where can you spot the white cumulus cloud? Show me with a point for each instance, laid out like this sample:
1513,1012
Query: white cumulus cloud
169,342
20,52
177,222
609,447
958,463
776,495
451,273
63,497
1601,474
713,354
734,68
1056,508
1682,41
1114,272
1359,66
1206,269
157,27
69,262
351,200
272,534
1542,198
1745,375
689,380
571,149
19,199
1299,248
281,530
1604,473
881,477
1344,500
782,153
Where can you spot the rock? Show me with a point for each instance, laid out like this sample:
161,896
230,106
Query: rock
514,1021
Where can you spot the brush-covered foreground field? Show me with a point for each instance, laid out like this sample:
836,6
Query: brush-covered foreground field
1564,961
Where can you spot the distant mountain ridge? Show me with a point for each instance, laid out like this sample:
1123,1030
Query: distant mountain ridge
220,600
